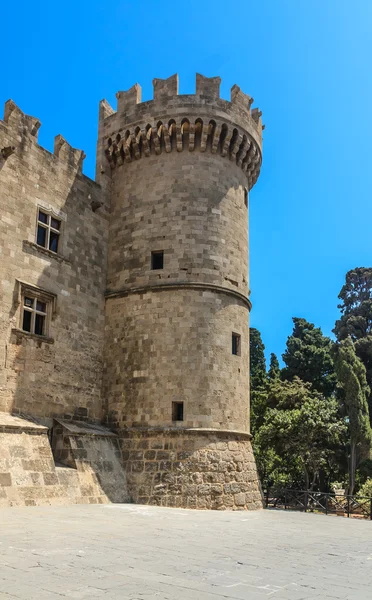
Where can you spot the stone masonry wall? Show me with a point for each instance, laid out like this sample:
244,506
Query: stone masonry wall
175,345
61,373
30,477
191,206
191,469
171,340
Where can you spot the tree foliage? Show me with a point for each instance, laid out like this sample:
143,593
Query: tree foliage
308,356
274,369
366,489
301,427
356,318
354,390
258,379
355,306
311,420
257,359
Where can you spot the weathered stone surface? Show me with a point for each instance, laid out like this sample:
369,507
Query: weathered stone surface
192,481
97,478
126,342
61,373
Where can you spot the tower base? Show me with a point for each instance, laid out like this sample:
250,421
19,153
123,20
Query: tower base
191,468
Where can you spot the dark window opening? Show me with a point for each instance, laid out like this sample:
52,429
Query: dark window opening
177,411
53,241
34,315
157,260
41,236
246,197
55,224
39,324
48,231
26,326
41,306
43,218
236,344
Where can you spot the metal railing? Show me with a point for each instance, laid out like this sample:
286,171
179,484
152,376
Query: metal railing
327,503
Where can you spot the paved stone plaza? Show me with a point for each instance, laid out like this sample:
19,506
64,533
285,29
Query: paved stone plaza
137,552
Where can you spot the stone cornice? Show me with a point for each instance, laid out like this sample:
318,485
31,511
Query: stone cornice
167,430
195,285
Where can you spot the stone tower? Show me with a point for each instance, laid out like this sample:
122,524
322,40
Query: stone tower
178,170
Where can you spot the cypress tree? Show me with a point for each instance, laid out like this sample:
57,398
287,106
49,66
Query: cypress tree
356,318
352,380
274,369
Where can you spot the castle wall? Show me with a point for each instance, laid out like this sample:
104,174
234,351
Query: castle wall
175,346
59,373
30,477
171,344
176,376
99,329
192,468
188,204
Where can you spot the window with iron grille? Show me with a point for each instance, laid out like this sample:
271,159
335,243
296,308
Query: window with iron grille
48,231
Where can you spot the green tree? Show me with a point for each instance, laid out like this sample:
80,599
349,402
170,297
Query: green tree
366,489
356,318
308,356
354,390
257,359
274,369
301,426
258,380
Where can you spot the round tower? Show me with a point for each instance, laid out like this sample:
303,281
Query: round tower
177,303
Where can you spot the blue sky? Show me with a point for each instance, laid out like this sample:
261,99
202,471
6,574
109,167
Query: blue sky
307,64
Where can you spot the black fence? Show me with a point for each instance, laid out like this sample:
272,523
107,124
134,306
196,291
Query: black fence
329,504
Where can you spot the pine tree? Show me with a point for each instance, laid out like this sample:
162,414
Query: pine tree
308,356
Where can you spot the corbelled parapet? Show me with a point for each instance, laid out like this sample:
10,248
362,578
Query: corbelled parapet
171,122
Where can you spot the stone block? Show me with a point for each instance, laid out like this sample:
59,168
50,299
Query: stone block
5,479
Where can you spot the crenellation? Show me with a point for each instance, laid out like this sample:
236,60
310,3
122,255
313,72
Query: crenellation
105,110
65,152
208,87
17,120
256,116
129,99
165,88
17,125
184,122
240,99
131,111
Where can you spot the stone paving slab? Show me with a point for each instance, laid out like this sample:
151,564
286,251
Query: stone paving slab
133,552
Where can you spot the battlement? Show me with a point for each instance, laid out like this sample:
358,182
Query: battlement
166,92
201,121
23,128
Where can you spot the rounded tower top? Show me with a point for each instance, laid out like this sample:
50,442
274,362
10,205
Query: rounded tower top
171,122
